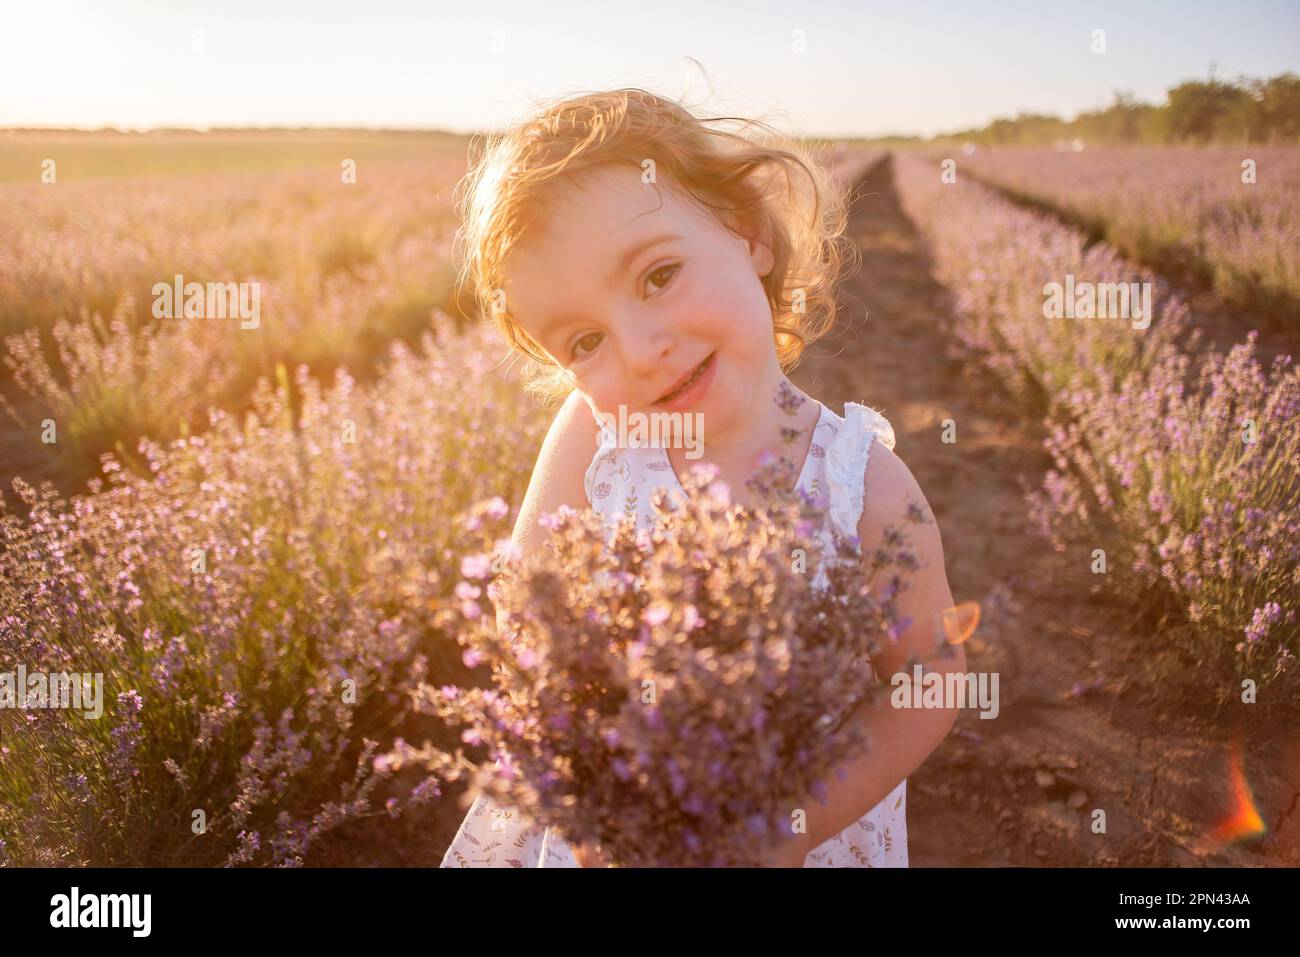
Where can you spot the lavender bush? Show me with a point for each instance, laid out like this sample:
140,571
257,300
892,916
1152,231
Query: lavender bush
260,605
1196,473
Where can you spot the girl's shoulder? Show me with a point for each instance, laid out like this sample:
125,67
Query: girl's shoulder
558,472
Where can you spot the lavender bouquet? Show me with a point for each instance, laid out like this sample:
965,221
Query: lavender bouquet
672,693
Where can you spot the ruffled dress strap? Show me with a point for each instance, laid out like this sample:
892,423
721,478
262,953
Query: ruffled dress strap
846,464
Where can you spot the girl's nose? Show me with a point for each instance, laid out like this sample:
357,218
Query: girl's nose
645,346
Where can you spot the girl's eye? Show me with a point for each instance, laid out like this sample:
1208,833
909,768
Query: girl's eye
674,267
575,354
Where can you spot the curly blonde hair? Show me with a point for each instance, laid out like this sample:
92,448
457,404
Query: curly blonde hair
736,176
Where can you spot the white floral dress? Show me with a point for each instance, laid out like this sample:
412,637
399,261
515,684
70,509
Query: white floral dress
623,480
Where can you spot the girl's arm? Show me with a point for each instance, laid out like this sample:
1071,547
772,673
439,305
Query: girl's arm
899,740
559,473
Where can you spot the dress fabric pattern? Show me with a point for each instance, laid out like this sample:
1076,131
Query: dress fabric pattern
623,481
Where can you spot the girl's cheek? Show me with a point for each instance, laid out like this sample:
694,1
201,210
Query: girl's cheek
728,310
600,383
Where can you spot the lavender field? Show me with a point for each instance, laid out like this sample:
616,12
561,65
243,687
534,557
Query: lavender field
340,268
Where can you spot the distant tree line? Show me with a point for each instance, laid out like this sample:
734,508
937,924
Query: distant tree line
1196,112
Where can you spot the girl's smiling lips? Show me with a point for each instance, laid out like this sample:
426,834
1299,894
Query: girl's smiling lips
699,378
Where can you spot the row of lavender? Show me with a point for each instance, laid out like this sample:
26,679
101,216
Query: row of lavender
1177,467
1229,216
260,609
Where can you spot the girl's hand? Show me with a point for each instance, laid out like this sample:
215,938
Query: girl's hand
589,855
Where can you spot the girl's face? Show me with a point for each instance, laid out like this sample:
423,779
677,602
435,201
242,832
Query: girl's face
631,286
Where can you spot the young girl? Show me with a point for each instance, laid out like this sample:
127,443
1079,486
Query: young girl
642,259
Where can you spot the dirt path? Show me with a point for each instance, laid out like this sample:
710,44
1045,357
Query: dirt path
1022,789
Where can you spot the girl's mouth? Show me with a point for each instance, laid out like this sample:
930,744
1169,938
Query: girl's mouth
695,383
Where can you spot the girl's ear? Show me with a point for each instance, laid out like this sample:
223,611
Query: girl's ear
759,239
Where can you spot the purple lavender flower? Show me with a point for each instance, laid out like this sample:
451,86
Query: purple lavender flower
1262,619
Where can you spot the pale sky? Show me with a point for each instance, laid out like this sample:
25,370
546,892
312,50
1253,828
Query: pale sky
866,68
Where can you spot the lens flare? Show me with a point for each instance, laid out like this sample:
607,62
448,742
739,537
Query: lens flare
1243,820
960,621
